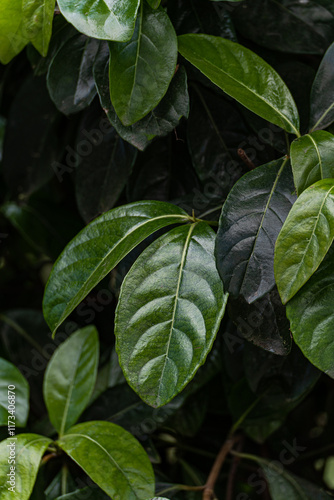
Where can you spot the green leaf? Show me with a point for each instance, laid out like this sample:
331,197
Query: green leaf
70,77
12,36
29,449
97,249
11,376
84,494
251,219
37,22
103,20
244,76
312,159
140,70
322,94
154,3
169,310
112,458
70,378
305,238
311,316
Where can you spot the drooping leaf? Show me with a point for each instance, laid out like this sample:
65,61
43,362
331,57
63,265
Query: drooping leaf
29,449
70,378
97,249
11,376
244,76
322,94
114,20
12,36
169,311
126,472
37,22
70,76
250,222
312,159
305,238
140,70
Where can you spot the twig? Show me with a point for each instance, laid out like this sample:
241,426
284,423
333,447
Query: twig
247,161
233,471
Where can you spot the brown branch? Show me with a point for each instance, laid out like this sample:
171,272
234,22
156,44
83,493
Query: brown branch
233,471
247,161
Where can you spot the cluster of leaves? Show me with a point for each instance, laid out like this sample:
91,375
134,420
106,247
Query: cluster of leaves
129,132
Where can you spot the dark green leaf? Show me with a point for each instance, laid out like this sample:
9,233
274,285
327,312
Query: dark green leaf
250,222
312,159
84,494
140,70
37,22
231,67
11,376
305,238
112,458
97,249
70,76
322,95
106,21
70,378
169,311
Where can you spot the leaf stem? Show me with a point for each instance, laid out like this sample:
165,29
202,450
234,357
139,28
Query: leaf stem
237,424
23,334
212,210
64,474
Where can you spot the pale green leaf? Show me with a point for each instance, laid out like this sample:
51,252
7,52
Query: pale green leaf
11,376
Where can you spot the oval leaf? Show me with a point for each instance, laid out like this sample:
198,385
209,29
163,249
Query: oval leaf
322,94
112,20
305,238
12,36
29,449
97,249
140,70
10,375
244,76
112,458
170,307
312,159
70,378
250,222
37,22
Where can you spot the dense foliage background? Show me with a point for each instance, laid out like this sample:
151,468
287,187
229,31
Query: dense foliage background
67,157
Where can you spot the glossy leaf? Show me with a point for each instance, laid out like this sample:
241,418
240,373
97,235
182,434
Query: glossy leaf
70,378
250,222
37,22
126,472
70,76
140,70
10,375
114,20
12,36
312,159
311,317
322,95
29,449
305,238
169,310
231,67
97,249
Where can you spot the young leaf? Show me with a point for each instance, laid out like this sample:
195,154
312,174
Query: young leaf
140,70
312,159
37,22
10,375
103,20
70,76
29,449
112,458
322,94
97,249
305,238
70,378
244,76
250,222
154,3
12,36
169,311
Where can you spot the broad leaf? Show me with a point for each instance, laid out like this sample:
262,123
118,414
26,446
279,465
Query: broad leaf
12,36
70,76
244,76
37,22
70,378
140,70
169,311
113,20
311,316
97,249
250,222
11,376
312,159
29,449
112,458
305,238
322,95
